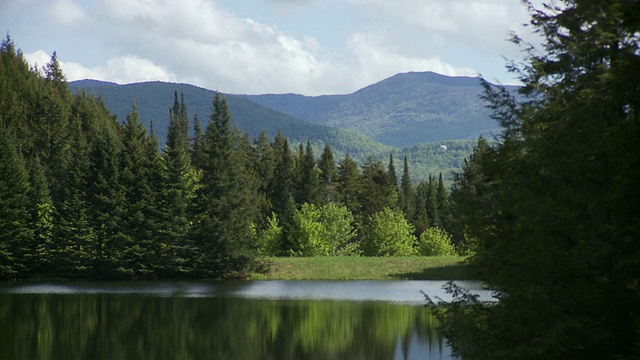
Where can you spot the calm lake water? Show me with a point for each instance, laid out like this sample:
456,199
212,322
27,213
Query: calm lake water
220,320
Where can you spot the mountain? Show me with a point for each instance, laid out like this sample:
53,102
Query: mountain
405,109
412,114
154,99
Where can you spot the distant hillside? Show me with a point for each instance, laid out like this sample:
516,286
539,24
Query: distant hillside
405,109
154,99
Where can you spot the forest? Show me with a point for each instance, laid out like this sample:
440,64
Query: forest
85,195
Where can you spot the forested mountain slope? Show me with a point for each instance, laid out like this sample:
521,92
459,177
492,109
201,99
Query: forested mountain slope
406,109
153,100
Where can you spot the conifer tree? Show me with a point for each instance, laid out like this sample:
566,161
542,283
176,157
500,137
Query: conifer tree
40,221
406,198
73,243
106,200
328,175
15,235
378,190
223,230
349,184
282,186
420,219
138,252
560,235
308,181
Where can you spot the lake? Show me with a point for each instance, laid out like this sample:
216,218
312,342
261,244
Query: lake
220,320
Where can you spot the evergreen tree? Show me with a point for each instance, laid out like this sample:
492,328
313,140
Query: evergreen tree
328,175
349,184
73,243
15,235
138,254
420,219
560,240
308,181
265,167
180,184
106,200
223,231
378,191
281,190
432,203
442,200
40,221
406,198
391,170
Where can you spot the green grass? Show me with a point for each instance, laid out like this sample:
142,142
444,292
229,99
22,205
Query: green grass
365,268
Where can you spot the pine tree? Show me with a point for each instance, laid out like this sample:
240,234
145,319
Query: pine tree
15,235
420,219
40,221
308,181
223,230
281,190
138,254
442,200
406,198
106,200
349,184
265,167
72,254
378,191
179,190
328,175
559,242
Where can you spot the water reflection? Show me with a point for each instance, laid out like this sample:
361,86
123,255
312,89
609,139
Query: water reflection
153,321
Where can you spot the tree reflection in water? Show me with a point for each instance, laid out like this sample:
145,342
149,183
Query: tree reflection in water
126,326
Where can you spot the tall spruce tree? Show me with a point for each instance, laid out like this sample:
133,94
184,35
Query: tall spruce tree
560,241
15,235
223,230
328,175
406,196
349,184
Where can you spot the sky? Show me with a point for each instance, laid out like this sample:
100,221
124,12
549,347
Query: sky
308,47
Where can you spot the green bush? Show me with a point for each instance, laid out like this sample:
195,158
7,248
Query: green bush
271,238
389,234
436,242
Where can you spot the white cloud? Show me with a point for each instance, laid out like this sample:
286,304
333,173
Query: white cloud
200,42
67,12
122,69
376,60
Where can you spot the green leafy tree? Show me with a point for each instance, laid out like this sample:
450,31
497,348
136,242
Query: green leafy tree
436,242
339,230
389,234
306,232
559,241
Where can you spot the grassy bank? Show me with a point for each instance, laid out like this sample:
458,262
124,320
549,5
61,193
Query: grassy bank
365,268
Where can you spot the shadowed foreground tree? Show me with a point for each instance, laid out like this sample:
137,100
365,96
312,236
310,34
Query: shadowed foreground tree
559,236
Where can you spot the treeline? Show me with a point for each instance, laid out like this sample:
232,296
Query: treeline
83,195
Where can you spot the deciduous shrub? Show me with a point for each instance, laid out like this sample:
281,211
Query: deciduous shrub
436,242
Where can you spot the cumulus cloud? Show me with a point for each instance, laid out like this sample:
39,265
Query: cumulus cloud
204,43
122,69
